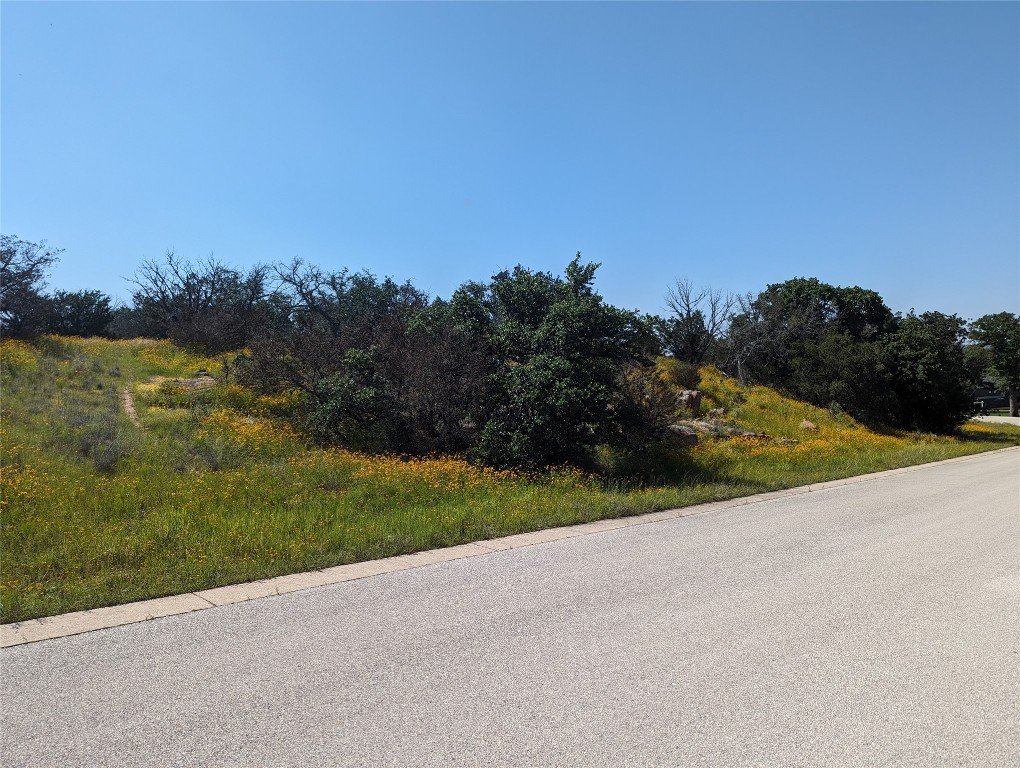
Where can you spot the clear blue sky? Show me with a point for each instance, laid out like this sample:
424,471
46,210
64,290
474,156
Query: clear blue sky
735,144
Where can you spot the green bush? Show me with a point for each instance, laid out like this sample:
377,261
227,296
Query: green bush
557,350
933,379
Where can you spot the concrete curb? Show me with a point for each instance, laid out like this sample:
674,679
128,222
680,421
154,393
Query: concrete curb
106,618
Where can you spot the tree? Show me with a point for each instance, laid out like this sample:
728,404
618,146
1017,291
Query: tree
23,268
445,380
128,323
344,342
932,377
999,334
745,336
208,305
557,351
79,313
819,342
699,320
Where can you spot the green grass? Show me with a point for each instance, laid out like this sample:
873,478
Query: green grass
217,489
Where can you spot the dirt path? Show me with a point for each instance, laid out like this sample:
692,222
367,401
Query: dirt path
199,382
129,407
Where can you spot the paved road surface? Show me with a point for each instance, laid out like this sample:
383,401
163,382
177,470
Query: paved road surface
1014,420
873,624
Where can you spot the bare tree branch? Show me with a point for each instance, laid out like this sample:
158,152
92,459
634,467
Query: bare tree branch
700,319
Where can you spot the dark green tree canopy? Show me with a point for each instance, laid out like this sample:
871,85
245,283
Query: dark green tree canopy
811,306
933,380
79,313
843,347
999,334
556,349
821,343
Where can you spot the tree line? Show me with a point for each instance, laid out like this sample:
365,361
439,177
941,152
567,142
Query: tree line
529,368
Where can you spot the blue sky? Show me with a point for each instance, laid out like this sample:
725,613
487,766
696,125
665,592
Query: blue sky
734,144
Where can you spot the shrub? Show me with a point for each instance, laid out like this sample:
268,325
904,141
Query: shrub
933,379
557,351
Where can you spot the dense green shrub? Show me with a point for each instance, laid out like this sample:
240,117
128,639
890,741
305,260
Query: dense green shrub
844,349
79,313
932,379
557,350
820,343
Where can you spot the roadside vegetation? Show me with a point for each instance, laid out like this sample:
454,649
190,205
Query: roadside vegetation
241,424
221,483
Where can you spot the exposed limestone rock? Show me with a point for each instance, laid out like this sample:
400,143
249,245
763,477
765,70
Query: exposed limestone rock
690,401
683,434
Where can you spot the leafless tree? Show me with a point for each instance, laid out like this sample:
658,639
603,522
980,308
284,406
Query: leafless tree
745,334
207,304
23,267
700,318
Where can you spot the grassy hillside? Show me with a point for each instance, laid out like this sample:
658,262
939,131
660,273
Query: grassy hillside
209,485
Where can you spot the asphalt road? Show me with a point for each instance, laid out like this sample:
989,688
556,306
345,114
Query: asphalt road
872,624
1014,420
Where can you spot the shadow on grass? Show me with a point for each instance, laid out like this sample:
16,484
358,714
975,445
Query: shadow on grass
665,466
1004,435
51,346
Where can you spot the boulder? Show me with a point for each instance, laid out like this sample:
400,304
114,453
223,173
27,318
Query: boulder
690,401
705,426
683,434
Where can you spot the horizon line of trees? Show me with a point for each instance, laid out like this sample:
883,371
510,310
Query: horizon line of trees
528,369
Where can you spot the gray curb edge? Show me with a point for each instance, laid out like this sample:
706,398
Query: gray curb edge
68,624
